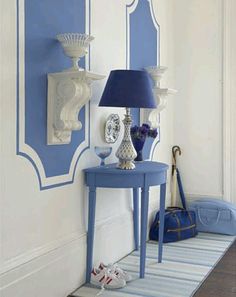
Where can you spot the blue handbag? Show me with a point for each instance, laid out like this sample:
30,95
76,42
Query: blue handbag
215,216
180,223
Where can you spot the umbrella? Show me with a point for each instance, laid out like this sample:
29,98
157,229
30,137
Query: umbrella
175,149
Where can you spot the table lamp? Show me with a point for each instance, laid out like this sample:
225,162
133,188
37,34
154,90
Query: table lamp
127,88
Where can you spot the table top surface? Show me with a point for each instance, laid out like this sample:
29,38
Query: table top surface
140,167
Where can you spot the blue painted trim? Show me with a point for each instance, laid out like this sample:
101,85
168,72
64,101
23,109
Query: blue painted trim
18,152
128,65
127,15
159,33
22,154
159,59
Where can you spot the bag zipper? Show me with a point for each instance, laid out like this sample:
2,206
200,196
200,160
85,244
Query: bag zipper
181,229
178,222
191,221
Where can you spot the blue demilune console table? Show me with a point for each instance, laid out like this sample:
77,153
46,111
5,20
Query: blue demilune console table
145,174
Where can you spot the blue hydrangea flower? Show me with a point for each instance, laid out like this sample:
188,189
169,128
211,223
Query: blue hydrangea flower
143,132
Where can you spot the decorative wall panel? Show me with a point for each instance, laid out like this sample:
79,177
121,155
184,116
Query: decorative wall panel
142,50
38,54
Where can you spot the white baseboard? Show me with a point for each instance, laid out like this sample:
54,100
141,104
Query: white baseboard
41,251
53,274
59,268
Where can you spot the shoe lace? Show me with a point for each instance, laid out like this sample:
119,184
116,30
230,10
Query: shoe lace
107,273
115,268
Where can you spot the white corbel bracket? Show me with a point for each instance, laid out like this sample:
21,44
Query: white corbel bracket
68,92
161,100
151,116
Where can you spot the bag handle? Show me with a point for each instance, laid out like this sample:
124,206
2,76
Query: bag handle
175,208
210,224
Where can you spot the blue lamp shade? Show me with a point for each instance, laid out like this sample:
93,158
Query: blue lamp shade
128,88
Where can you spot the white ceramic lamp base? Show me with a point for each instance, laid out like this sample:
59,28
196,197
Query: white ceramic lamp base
126,152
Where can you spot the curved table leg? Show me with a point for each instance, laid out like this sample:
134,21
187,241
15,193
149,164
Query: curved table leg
90,235
144,218
136,217
162,217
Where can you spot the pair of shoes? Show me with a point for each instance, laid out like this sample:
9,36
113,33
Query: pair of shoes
109,277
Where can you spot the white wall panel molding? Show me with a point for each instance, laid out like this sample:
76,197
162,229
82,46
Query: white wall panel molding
198,104
229,122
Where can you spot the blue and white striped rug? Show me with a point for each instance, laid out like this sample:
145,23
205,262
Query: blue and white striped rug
185,266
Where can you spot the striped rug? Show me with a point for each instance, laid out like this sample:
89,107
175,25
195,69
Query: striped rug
185,266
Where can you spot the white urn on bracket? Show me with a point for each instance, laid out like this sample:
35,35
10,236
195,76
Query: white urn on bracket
160,95
75,46
69,90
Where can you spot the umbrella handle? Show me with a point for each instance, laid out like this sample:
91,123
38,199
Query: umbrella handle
175,149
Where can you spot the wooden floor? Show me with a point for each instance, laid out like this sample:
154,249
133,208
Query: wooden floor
221,282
